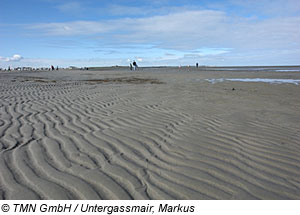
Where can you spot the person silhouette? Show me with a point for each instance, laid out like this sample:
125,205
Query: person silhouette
135,65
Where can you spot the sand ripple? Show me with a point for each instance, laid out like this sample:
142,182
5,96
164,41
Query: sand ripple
77,140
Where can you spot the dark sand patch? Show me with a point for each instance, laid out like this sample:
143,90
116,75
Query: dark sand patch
127,80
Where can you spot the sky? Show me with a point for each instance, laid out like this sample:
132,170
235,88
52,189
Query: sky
40,33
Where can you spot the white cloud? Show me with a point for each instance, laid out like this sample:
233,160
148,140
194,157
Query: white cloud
72,28
277,8
14,58
183,22
70,7
120,10
186,30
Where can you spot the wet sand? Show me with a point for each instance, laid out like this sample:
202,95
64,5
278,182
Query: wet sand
155,133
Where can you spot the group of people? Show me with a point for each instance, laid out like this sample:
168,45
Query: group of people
52,68
133,66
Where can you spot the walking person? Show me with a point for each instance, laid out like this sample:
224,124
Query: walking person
135,65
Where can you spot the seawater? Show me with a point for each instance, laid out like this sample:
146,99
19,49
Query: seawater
265,80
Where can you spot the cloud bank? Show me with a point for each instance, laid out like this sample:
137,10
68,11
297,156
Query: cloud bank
186,30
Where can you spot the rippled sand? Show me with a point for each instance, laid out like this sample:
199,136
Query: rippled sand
162,133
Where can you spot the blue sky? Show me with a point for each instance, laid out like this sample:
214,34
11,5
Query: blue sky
163,32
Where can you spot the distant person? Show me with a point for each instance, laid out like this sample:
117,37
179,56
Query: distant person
135,65
130,66
56,67
9,68
197,65
52,67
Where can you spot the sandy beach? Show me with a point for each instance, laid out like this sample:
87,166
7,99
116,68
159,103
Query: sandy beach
154,133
